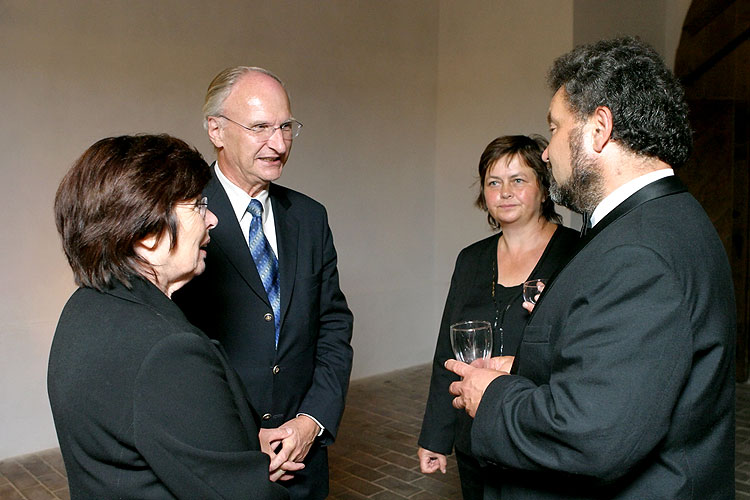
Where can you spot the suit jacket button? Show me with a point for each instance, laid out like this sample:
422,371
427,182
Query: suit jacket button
266,416
268,317
276,369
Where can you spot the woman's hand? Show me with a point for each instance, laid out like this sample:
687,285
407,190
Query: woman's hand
429,461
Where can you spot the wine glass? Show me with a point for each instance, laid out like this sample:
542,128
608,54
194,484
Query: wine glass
532,289
471,340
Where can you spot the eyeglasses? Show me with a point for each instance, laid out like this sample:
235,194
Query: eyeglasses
264,131
202,206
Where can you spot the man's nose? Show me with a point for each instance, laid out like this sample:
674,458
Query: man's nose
277,142
545,155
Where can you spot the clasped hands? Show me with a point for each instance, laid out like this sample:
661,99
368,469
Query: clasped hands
475,378
288,446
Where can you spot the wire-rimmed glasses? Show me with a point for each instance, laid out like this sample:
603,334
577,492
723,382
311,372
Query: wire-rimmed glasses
263,131
202,206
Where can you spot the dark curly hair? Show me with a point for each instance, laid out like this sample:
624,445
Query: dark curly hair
121,190
529,150
646,99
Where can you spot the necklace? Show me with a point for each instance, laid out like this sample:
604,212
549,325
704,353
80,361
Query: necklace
499,317
508,300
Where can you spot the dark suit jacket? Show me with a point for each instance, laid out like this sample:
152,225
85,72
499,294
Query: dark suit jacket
309,372
625,376
147,407
470,298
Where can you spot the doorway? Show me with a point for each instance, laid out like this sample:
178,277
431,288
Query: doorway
713,63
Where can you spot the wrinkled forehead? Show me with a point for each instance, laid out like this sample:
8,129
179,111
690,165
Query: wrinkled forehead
561,109
558,106
509,164
258,94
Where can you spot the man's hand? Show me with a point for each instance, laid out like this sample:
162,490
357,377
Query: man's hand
474,381
430,461
498,363
288,445
270,442
304,431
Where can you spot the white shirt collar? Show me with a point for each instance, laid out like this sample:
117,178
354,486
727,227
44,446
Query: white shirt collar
239,198
623,192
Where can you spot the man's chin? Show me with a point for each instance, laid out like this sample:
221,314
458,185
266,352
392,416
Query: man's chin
558,195
272,173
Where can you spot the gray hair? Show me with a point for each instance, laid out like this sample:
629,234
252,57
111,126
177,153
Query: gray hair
221,86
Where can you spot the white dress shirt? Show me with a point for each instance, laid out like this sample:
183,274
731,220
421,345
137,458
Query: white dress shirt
240,200
623,192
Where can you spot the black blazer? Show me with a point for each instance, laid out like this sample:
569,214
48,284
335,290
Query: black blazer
470,298
146,406
625,377
309,373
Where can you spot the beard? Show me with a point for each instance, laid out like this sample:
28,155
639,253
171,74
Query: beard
584,189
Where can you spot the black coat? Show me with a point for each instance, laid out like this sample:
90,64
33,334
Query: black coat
147,407
625,376
470,298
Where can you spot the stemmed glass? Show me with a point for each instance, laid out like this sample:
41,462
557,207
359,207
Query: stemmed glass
532,289
471,340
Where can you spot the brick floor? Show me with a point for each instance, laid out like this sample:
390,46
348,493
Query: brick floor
373,458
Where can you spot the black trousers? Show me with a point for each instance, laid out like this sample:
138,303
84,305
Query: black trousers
470,472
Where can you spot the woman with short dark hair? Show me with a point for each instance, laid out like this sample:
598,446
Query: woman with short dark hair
145,405
487,286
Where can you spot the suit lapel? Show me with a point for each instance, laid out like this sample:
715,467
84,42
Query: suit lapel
287,241
663,187
227,236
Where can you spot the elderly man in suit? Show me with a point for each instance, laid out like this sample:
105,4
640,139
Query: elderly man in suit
270,293
624,384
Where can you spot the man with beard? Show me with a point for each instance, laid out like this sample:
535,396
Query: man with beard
623,386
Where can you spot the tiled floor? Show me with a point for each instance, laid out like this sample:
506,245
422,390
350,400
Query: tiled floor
374,456
34,477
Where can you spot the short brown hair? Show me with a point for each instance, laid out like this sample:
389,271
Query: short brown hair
529,149
121,190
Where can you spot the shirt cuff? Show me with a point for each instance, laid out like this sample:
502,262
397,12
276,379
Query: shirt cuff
320,433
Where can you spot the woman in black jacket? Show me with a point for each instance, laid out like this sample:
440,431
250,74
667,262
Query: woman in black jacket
145,405
487,285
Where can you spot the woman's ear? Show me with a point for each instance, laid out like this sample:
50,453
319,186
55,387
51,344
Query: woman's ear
148,248
149,242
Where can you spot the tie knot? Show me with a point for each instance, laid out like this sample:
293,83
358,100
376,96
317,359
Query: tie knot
255,208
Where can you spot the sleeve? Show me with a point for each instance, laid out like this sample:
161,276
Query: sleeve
333,354
617,368
439,422
189,429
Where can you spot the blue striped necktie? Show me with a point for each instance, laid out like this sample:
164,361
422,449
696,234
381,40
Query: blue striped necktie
265,262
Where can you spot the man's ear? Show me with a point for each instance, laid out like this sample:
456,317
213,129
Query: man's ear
215,131
601,121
